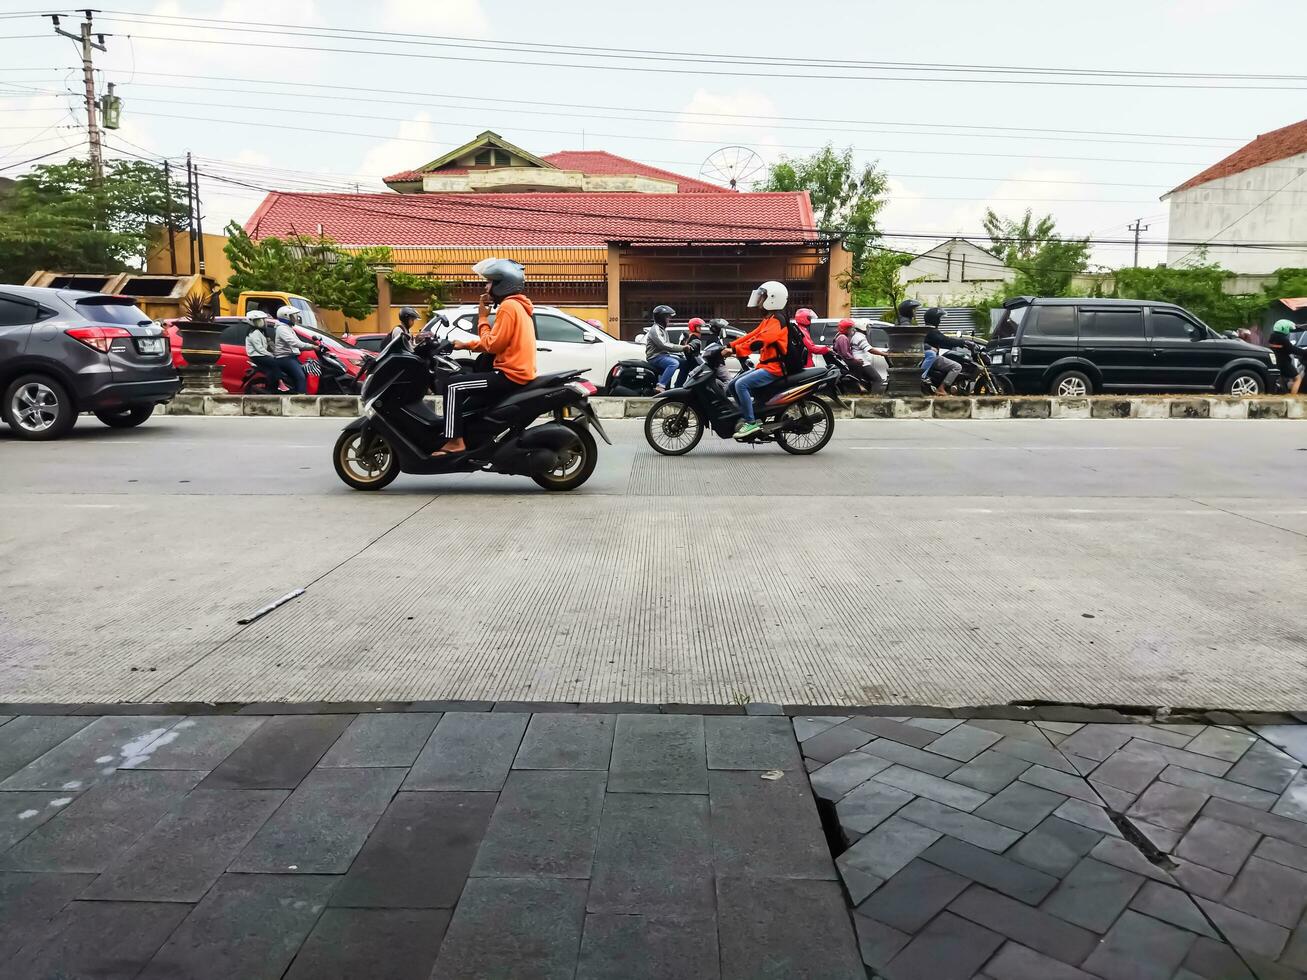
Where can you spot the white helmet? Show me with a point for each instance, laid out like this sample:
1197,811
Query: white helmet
289,314
771,295
256,317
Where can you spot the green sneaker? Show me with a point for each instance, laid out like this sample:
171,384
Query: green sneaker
747,429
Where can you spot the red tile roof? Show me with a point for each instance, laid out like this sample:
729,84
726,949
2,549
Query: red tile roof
576,219
1267,148
596,162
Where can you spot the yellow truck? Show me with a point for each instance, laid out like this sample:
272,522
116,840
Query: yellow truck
270,301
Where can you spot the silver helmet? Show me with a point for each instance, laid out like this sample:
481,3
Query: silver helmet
505,276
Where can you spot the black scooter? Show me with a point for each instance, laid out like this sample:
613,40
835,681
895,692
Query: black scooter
791,414
397,432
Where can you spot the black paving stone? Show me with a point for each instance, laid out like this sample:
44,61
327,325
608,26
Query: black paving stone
644,947
440,707
784,928
1029,926
885,851
721,709
763,708
95,828
1200,881
1274,825
950,948
323,824
1073,786
1023,731
835,742
536,707
468,751
1127,857
914,896
180,857
1221,743
807,726
22,811
999,873
320,707
1164,805
1087,815
933,787
658,754
832,781
28,901
895,730
753,743
964,826
1171,905
1281,852
30,737
877,942
866,807
788,843
1265,767
990,771
1190,761
99,939
581,741
621,708
1217,845
380,944
1140,948
1269,891
1129,771
91,755
1016,962
1040,754
964,742
1093,895
1055,846
198,743
1211,960
1020,806
279,754
546,824
654,856
33,708
1224,789
1097,741
514,927
247,926
381,740
1246,932
420,852
906,755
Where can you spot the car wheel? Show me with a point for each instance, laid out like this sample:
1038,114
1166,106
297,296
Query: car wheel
37,407
1071,384
125,418
1244,383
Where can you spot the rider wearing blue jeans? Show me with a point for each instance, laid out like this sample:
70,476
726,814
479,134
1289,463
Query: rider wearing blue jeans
658,350
772,336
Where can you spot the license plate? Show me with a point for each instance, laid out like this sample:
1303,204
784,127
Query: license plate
150,345
997,359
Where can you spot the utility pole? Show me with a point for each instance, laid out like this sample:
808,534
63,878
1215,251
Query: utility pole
190,217
1137,227
199,219
167,197
88,78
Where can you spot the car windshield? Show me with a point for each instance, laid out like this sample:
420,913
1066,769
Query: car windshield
106,309
327,339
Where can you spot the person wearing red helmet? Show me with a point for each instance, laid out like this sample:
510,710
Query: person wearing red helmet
693,345
803,320
853,346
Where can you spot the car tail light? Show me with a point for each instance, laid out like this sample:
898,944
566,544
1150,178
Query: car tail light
99,338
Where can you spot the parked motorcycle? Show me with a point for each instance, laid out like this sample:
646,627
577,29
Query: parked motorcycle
397,432
850,382
791,414
333,377
631,378
976,379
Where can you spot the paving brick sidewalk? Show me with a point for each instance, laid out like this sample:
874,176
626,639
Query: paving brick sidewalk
456,845
985,848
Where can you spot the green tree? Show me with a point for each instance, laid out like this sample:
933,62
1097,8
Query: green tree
879,283
1045,261
315,268
1199,289
845,199
57,217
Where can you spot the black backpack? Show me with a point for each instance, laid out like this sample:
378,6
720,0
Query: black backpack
795,358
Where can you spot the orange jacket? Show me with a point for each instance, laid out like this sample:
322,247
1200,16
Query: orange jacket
774,337
512,339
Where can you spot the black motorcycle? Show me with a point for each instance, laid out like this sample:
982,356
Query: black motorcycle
791,414
850,382
397,432
333,378
975,378
633,378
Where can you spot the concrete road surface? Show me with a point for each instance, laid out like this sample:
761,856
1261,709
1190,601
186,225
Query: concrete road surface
955,563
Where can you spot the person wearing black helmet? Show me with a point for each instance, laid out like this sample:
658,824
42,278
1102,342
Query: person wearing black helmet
665,356
407,318
907,310
937,343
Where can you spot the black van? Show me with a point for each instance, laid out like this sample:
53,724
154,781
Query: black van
1074,347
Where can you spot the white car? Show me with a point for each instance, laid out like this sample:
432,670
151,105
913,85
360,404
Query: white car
563,343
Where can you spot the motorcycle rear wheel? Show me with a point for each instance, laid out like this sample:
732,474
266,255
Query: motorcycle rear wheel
360,466
673,427
816,422
576,468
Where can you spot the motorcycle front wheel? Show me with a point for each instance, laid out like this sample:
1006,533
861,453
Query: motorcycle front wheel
364,460
575,465
808,426
673,427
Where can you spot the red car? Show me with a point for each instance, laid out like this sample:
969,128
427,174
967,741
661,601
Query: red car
235,365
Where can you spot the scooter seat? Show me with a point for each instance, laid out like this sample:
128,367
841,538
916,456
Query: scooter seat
546,380
787,382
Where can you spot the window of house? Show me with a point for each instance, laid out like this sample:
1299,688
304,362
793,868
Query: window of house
1054,321
1112,325
557,330
492,158
1172,326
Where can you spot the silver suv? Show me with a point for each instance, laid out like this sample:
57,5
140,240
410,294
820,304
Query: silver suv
63,351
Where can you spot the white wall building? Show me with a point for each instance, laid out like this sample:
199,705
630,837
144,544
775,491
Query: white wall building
954,273
1258,194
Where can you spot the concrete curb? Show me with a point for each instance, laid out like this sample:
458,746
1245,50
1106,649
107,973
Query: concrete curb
1098,407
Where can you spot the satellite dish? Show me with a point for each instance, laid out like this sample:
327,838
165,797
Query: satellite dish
732,165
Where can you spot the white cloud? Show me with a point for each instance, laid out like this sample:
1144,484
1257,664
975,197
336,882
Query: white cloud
464,18
401,154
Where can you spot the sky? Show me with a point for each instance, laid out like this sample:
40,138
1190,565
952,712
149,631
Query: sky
262,108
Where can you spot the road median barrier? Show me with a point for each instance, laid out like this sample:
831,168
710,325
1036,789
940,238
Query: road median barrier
981,409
